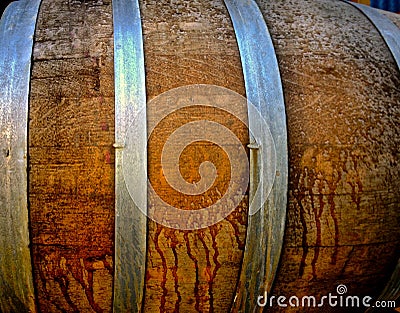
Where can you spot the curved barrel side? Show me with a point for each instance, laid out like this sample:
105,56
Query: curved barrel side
340,86
390,32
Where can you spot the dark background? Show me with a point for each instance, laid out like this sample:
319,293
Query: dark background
3,5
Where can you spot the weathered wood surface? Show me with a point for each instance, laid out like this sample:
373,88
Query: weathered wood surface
192,42
342,98
71,174
342,95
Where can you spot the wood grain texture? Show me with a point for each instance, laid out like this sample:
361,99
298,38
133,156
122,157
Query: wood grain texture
192,42
71,173
342,95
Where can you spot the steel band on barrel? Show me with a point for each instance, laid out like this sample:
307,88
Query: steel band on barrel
17,28
130,99
266,226
388,30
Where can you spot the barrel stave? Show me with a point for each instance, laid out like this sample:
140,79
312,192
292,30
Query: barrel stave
185,43
71,173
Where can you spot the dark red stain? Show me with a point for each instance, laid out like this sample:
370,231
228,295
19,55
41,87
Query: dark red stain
317,214
299,195
304,237
89,289
310,176
331,202
233,219
108,266
214,232
64,284
77,270
332,209
355,196
107,157
174,243
196,266
209,274
104,126
164,265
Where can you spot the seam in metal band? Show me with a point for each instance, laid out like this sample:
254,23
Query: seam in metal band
130,104
17,28
388,30
263,85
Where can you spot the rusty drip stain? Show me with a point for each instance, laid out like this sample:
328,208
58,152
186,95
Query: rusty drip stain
331,202
300,197
76,267
196,266
318,214
107,157
208,273
164,265
174,243
64,283
43,280
108,266
304,238
46,293
89,291
214,233
355,195
332,209
332,206
231,220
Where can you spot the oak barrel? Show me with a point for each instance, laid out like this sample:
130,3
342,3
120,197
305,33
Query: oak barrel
340,84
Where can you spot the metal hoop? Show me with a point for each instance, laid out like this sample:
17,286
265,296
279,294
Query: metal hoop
130,99
388,30
17,28
264,90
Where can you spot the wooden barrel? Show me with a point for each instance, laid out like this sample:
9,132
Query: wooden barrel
73,236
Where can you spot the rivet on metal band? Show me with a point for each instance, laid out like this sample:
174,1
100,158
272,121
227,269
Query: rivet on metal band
264,90
130,100
388,30
17,28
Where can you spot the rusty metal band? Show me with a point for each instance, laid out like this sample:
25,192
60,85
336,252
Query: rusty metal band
130,100
17,28
388,30
391,35
264,90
